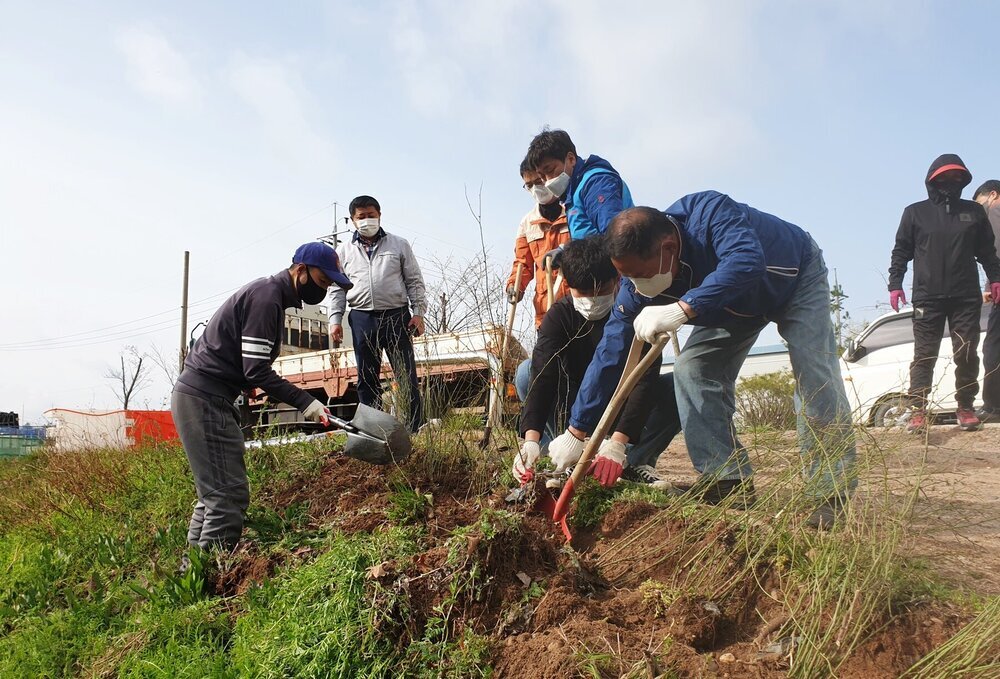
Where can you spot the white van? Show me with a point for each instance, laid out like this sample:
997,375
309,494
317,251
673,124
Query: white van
876,371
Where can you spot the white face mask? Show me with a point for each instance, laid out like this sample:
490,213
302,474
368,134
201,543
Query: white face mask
594,308
543,195
558,185
368,227
654,285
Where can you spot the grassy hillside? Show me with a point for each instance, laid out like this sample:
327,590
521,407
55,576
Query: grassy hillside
423,570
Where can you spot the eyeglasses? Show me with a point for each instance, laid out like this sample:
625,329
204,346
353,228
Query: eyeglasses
530,185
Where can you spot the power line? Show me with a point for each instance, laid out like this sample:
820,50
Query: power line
273,233
82,336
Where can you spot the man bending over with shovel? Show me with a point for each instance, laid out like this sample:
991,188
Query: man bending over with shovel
235,354
728,270
570,332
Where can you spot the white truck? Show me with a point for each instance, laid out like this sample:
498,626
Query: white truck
459,371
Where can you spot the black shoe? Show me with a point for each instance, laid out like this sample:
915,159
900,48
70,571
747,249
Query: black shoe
718,492
644,473
986,415
828,512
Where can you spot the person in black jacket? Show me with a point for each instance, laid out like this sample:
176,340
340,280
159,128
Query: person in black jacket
567,338
235,354
944,236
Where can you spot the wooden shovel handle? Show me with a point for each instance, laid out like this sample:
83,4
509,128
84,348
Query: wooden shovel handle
634,370
496,405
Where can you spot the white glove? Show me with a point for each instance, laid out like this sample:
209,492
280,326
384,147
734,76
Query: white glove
317,412
612,450
654,321
524,460
565,450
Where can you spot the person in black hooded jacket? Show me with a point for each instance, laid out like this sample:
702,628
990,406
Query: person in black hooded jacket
944,236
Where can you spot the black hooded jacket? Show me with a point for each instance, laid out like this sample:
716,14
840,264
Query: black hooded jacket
944,236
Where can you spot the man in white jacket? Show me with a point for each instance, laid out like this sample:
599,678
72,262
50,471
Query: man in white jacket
388,303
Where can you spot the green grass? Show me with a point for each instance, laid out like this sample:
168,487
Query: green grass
90,543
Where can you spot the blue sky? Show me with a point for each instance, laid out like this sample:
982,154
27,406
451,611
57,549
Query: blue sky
130,133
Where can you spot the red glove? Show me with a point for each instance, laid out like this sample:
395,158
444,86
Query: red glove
995,292
897,298
607,466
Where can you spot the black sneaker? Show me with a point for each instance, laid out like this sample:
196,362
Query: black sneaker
716,492
986,415
827,513
644,473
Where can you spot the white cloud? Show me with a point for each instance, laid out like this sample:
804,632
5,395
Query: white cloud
156,68
462,60
274,91
684,76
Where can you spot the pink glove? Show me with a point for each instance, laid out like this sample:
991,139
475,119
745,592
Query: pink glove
896,298
995,292
607,467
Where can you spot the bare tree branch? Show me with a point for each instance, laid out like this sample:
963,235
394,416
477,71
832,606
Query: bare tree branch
132,377
167,363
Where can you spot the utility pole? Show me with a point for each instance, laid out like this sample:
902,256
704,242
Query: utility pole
836,309
336,240
184,310
444,312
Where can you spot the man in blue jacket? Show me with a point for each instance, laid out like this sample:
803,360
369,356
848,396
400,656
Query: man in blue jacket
590,189
728,270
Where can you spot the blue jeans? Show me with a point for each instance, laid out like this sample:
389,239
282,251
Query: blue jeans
661,427
706,373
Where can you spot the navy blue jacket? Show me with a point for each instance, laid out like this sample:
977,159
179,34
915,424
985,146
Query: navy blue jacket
595,195
241,341
737,266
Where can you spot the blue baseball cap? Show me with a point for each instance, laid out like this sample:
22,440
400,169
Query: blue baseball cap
325,259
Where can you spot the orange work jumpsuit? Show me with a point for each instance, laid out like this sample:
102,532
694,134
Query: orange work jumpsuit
535,237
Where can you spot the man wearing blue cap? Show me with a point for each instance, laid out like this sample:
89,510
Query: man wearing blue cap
233,355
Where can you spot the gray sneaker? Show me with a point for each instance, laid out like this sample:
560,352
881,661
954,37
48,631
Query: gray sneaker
644,473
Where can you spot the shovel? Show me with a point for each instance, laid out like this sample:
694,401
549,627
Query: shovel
634,369
496,409
372,436
535,492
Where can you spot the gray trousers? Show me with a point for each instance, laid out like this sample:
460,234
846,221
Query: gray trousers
210,432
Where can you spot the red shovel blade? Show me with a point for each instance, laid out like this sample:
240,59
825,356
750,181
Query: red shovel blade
547,505
561,508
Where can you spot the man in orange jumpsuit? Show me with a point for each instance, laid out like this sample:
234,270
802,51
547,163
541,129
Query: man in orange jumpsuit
542,230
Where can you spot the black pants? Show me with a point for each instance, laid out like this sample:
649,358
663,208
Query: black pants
378,331
928,327
991,359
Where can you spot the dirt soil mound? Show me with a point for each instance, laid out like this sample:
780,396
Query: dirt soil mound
613,610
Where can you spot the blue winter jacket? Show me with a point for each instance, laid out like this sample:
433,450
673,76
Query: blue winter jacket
738,266
595,195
